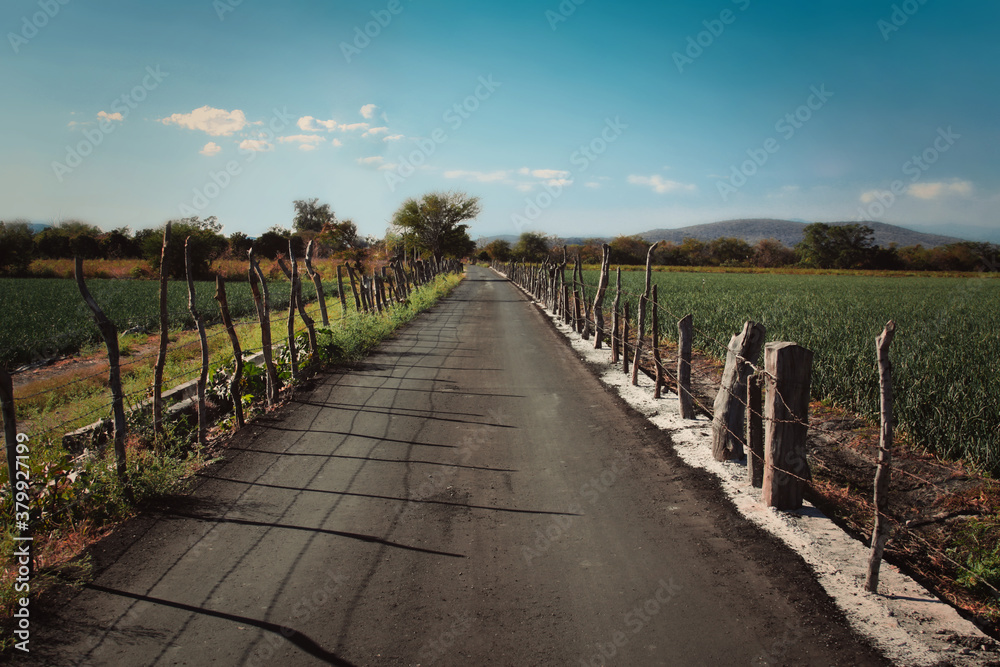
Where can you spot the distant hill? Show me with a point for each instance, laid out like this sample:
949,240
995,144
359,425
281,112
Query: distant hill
789,233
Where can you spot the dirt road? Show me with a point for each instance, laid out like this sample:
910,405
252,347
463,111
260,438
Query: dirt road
470,495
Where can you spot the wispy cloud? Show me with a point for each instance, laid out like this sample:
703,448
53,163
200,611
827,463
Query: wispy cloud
104,115
375,131
257,145
210,149
393,137
311,124
371,161
214,122
368,111
353,127
939,189
661,185
306,142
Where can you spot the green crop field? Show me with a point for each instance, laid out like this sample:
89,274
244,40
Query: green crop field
42,317
944,354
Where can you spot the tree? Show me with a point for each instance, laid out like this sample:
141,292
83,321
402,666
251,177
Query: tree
311,216
531,247
239,244
273,242
836,246
629,250
772,253
207,244
119,244
498,250
15,247
68,239
729,251
434,223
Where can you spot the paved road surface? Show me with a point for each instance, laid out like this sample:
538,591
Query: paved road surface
470,495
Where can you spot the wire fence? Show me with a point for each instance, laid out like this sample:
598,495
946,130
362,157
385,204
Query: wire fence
545,283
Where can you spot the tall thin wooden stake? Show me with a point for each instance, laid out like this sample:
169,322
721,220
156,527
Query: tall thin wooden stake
161,356
340,291
880,532
110,334
602,287
656,345
755,430
641,323
685,336
258,286
200,322
9,411
237,379
318,284
615,338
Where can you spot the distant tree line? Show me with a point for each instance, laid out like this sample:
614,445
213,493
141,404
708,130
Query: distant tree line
431,226
823,247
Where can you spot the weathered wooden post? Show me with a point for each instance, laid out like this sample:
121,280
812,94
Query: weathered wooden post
727,423
602,287
685,337
110,334
788,367
237,379
641,322
657,366
261,298
9,411
295,282
14,449
625,339
615,340
318,284
354,288
200,323
161,356
340,291
293,352
880,531
755,430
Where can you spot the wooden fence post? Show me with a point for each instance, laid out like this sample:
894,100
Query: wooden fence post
657,366
200,322
293,352
755,430
786,410
237,379
625,339
340,290
615,340
262,301
318,284
641,321
161,356
294,279
602,287
727,422
110,334
685,336
354,288
9,411
880,531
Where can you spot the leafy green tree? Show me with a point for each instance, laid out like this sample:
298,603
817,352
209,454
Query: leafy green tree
272,243
836,246
497,250
531,247
68,239
16,247
629,250
119,244
433,224
728,251
311,216
239,244
207,244
772,253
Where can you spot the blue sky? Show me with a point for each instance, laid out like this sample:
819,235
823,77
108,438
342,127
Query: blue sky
586,119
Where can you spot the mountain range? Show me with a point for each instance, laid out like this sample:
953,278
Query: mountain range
788,232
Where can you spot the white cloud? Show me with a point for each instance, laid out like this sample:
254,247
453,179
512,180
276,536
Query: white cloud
477,176
939,189
211,148
306,147
214,122
393,137
370,161
304,139
388,166
310,124
368,111
104,115
375,131
257,145
353,127
337,142
544,174
661,185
